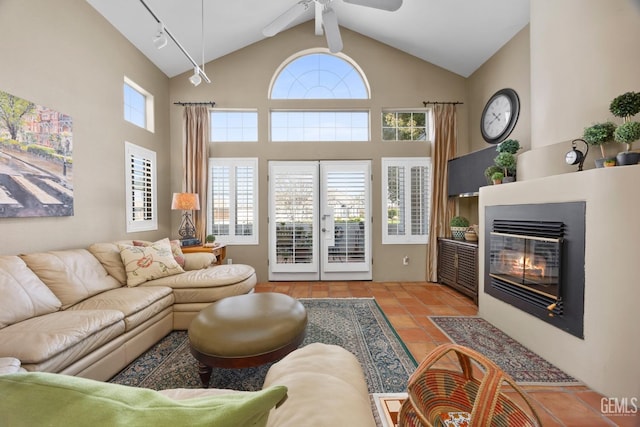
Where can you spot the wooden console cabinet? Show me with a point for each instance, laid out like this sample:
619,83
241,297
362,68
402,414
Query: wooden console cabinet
458,266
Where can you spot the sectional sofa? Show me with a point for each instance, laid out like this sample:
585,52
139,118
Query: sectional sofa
90,312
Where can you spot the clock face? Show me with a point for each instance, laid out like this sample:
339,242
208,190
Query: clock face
571,157
500,115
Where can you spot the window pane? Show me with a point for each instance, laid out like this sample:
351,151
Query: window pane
300,126
319,76
234,126
404,125
134,106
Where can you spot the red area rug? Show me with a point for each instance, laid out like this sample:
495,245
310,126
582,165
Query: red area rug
524,366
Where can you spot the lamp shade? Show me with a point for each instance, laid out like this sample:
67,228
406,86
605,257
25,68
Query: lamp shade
185,202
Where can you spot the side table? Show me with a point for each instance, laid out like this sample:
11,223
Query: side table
220,251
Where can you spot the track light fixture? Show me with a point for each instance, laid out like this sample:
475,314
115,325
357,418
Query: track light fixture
195,79
198,71
160,40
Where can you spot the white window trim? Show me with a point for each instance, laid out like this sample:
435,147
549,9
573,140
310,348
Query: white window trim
232,163
148,109
406,162
132,150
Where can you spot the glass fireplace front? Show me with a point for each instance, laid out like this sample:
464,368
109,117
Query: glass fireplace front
528,262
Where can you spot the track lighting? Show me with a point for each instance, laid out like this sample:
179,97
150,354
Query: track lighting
160,40
195,79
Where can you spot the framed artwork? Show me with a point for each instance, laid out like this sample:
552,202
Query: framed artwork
36,160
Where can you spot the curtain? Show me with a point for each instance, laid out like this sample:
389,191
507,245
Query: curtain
195,161
442,207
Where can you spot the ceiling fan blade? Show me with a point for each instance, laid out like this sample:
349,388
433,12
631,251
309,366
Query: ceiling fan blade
331,30
390,5
286,18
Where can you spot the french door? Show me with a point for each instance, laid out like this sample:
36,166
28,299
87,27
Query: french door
320,220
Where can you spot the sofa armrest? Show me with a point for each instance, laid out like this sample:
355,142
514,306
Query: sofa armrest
198,260
10,365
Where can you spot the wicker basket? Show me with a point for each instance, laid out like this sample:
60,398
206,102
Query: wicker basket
435,393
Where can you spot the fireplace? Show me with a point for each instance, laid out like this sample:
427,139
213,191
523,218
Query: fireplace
534,260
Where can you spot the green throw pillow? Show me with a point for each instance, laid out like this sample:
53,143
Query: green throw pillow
44,399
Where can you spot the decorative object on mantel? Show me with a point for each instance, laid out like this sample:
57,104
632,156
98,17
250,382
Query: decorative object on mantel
459,226
505,162
575,156
626,106
470,235
600,134
186,202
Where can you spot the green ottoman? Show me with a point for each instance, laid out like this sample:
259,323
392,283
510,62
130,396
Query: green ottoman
246,330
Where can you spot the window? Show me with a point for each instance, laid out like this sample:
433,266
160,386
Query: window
319,76
405,125
234,126
406,191
138,105
300,126
141,188
233,202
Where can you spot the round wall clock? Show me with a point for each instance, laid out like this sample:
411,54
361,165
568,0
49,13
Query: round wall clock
500,115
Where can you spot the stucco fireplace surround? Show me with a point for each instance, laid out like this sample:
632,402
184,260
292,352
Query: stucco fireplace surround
606,358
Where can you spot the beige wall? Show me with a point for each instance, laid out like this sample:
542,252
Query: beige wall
583,54
65,56
397,80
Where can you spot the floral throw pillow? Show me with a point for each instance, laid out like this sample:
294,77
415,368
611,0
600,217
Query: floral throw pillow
176,250
143,263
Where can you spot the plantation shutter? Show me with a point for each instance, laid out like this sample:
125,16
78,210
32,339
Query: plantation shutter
141,203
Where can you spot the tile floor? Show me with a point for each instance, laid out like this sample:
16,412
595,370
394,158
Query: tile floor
407,305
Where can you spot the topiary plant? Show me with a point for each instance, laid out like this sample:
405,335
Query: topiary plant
497,176
488,172
508,146
599,134
459,221
507,162
626,133
625,105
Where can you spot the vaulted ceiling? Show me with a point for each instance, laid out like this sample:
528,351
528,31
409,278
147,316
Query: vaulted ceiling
458,35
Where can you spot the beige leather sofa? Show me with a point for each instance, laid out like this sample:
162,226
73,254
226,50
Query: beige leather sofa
71,311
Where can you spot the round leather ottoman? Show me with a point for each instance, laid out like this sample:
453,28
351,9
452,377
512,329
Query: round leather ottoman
246,330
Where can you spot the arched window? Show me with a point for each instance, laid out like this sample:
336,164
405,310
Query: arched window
319,76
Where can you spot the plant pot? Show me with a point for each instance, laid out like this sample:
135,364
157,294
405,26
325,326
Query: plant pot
497,181
507,179
628,158
458,232
608,162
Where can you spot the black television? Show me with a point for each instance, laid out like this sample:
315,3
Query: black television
466,173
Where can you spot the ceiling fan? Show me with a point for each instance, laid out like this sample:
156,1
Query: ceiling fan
325,18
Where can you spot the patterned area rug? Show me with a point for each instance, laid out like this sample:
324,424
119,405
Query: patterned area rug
356,324
524,366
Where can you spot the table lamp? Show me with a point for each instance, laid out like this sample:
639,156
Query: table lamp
186,202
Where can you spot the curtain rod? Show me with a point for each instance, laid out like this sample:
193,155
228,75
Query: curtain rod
425,103
184,104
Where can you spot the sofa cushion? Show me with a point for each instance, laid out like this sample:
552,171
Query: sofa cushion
109,256
143,263
73,275
137,304
23,295
54,400
214,276
39,339
176,249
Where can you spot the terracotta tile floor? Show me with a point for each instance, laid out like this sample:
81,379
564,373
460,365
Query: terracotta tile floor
407,305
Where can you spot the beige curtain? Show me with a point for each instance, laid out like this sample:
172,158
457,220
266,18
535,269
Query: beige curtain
442,207
195,160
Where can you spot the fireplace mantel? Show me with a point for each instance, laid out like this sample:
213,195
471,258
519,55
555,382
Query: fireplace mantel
607,358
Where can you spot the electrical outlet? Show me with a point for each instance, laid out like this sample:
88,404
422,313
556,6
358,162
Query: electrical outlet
229,261
405,260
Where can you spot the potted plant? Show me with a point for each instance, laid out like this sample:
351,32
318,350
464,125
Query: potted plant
459,225
497,177
210,240
488,173
507,162
600,134
626,106
508,146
